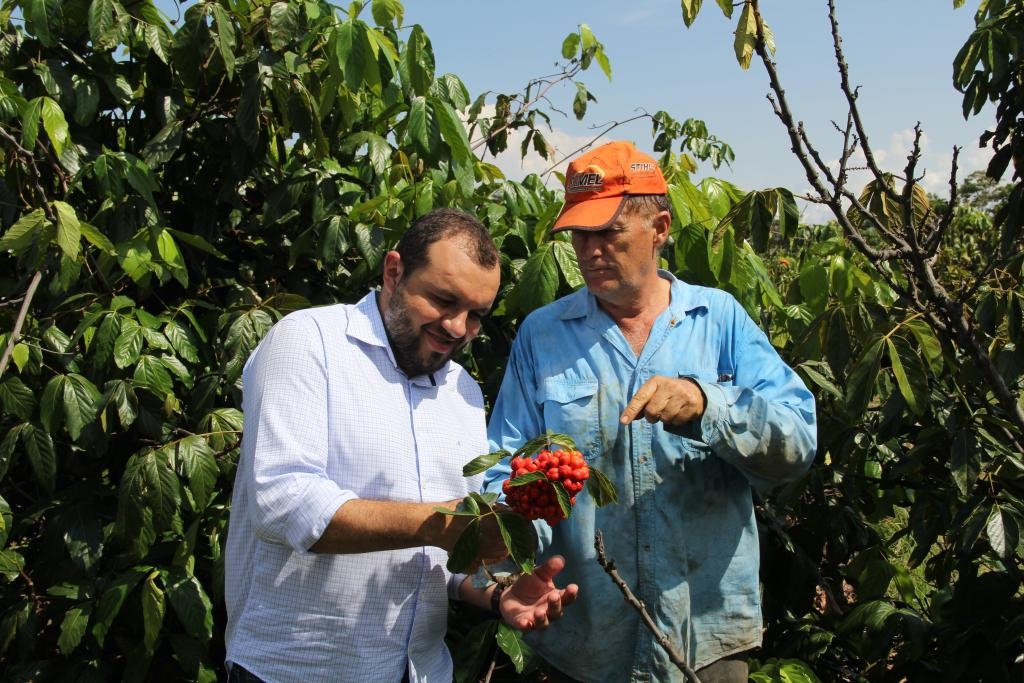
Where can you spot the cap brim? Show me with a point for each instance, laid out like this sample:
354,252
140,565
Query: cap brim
592,214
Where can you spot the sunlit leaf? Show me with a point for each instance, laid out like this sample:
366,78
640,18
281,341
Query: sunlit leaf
199,466
72,628
745,36
153,608
482,463
11,564
511,642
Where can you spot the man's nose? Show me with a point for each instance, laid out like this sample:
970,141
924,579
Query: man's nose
455,325
586,244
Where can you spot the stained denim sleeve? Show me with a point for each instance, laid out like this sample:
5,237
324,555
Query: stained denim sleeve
515,419
763,421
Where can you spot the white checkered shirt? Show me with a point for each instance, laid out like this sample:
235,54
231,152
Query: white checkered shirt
328,418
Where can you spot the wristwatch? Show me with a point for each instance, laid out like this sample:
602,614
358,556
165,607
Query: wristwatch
499,588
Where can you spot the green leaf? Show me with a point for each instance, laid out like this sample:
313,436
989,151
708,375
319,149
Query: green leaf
225,38
538,282
418,61
284,24
102,24
571,45
601,488
745,36
20,236
69,231
129,343
55,124
511,642
199,466
910,374
466,549
181,341
153,609
81,402
928,343
690,10
30,122
161,147
11,564
860,386
41,455
528,478
121,393
453,132
113,599
482,463
196,242
190,603
565,257
76,620
387,11
222,427
563,498
1003,533
151,374
97,239
520,539
16,398
171,256
149,487
20,355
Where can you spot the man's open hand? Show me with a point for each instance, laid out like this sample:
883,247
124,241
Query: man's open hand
533,601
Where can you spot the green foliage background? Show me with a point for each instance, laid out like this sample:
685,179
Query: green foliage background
169,191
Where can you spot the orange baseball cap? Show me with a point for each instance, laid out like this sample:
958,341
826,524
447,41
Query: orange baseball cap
598,181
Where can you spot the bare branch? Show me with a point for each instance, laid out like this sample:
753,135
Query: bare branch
19,321
851,96
638,605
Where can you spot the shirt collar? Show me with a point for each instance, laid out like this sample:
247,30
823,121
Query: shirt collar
366,325
685,298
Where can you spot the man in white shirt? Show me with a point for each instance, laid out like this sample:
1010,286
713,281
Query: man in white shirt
357,425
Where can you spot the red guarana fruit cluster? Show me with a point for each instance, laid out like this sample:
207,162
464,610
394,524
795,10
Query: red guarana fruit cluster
537,500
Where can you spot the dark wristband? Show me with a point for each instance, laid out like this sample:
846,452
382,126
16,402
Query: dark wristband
496,597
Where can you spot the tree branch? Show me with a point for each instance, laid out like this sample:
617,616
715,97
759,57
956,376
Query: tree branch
638,605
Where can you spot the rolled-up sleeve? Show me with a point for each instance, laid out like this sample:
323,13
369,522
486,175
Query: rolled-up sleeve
284,385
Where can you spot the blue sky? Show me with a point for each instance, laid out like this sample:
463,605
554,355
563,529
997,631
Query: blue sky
899,51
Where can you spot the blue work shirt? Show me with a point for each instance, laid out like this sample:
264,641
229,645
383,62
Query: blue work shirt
683,534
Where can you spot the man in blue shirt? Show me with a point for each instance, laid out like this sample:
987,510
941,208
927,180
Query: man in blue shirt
673,392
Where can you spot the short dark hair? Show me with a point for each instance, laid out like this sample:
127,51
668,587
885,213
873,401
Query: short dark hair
446,223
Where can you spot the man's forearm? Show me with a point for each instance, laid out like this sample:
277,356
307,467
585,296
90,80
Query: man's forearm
362,526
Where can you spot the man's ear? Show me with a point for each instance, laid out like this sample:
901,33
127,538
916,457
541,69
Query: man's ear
393,269
662,224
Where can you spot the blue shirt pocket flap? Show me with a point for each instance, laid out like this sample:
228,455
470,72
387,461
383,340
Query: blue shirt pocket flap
560,391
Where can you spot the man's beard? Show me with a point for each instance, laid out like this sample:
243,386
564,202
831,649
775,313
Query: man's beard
405,339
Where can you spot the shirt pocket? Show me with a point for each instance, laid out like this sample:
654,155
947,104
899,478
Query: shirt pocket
571,408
